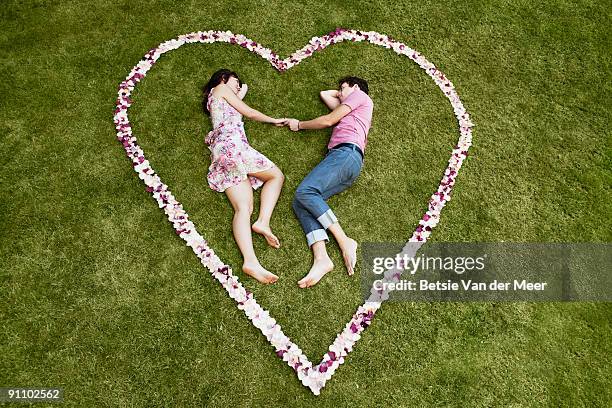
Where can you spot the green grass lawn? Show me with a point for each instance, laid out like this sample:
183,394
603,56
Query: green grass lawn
99,296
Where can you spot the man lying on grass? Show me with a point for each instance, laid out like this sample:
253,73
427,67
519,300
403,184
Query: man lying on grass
351,115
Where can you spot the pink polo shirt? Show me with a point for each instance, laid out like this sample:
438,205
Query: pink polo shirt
354,127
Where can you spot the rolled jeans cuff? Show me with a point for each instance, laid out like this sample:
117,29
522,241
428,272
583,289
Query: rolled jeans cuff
315,236
327,218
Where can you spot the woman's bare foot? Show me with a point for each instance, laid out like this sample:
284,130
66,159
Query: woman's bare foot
259,272
349,253
265,230
319,268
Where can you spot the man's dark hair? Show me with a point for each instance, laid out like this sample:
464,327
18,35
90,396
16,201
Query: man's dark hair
351,81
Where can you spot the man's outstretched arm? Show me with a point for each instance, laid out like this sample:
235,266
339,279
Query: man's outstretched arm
321,122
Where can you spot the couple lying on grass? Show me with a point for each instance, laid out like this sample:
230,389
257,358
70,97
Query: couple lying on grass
237,169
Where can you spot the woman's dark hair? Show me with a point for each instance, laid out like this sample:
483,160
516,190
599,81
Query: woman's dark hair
222,75
351,81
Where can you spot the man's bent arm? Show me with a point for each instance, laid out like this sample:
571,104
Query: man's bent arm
330,98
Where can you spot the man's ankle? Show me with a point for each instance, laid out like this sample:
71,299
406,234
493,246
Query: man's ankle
342,241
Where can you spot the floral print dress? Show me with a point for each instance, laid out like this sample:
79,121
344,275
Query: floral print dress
232,158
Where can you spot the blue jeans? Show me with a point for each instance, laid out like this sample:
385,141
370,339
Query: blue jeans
334,174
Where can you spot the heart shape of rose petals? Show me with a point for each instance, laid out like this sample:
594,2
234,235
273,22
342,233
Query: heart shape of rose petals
312,376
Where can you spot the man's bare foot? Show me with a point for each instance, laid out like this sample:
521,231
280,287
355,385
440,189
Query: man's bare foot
349,253
319,268
259,272
265,230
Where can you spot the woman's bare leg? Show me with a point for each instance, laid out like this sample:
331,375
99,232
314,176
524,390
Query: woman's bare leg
241,197
273,182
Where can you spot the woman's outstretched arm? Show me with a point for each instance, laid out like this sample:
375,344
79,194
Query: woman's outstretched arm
244,109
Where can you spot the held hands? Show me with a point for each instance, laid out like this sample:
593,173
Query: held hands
293,124
279,122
